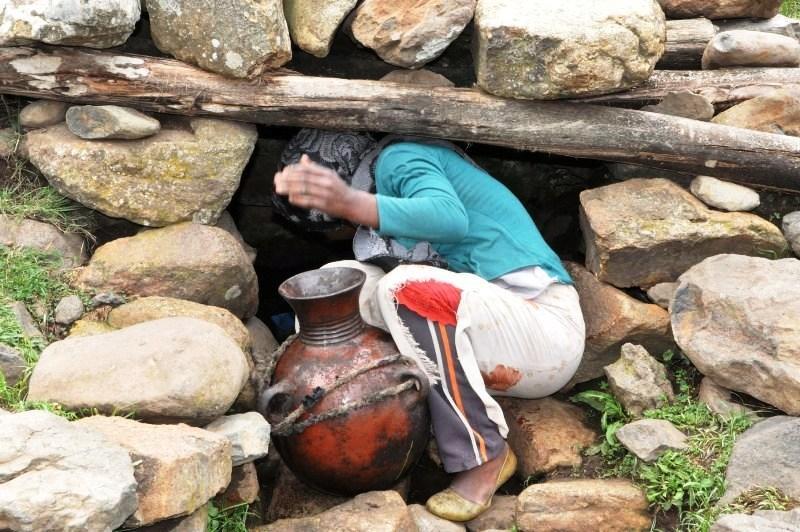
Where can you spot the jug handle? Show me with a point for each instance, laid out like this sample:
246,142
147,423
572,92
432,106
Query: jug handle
267,396
414,372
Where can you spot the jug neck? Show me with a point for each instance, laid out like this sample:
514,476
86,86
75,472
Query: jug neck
333,331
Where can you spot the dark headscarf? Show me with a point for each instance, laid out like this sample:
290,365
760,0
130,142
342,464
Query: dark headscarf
341,151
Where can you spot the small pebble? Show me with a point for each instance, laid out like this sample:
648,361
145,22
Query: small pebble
723,195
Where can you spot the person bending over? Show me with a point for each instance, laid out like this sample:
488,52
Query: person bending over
474,294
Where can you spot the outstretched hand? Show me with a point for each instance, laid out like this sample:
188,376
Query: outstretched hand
312,186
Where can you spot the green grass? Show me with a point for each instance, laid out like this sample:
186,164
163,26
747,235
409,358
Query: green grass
691,482
791,8
232,519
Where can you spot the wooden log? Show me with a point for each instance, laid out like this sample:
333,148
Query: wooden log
725,87
564,128
686,42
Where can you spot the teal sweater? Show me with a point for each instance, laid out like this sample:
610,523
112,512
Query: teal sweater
430,193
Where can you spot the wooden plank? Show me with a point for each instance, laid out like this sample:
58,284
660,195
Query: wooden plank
564,128
686,42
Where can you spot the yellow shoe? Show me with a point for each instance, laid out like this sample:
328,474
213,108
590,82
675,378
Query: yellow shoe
450,505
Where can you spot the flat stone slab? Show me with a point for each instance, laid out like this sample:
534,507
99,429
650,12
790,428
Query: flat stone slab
648,439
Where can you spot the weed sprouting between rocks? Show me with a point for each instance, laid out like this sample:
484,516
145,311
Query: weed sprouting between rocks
686,483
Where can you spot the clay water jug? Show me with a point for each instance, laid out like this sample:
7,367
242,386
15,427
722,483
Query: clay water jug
365,421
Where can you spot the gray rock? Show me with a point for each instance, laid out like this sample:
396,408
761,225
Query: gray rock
55,475
684,104
560,50
242,39
69,310
500,515
42,113
778,24
614,318
646,231
313,25
791,228
243,488
765,455
427,522
735,317
98,122
25,320
741,48
763,521
12,365
410,33
639,381
720,400
648,439
184,261
248,434
263,351
196,522
178,468
723,195
662,294
95,24
420,78
716,9
107,298
32,234
173,369
188,171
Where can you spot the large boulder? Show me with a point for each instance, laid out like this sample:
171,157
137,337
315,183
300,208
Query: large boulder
188,171
237,38
55,475
156,308
777,112
546,434
174,369
735,317
313,25
646,231
554,50
410,33
31,234
184,261
718,9
177,468
614,318
581,505
376,511
96,24
765,456
639,381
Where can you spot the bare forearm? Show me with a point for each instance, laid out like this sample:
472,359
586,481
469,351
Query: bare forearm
362,209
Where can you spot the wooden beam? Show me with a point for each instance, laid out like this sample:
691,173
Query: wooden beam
564,128
686,42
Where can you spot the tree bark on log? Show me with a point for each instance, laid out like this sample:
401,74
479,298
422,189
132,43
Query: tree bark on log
564,128
686,42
